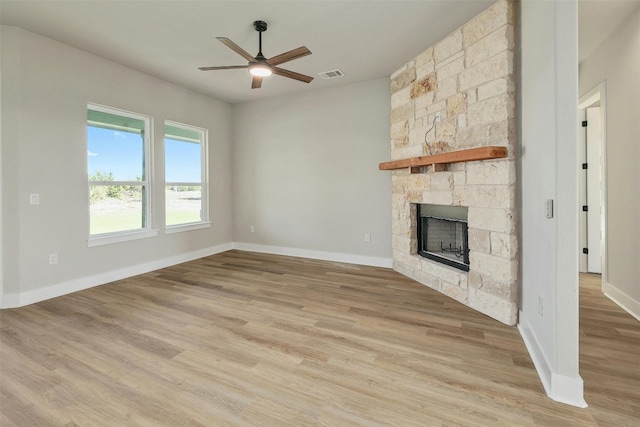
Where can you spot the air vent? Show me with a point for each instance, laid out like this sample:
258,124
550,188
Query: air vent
331,74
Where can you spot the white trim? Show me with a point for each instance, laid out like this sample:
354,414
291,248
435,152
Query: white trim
535,351
558,387
1,199
321,255
599,93
118,183
567,390
171,229
626,302
204,165
594,95
37,295
205,212
107,239
565,383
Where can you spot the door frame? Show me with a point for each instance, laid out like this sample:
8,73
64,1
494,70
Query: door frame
598,93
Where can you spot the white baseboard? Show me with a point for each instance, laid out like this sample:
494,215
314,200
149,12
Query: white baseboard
625,302
561,388
307,253
31,297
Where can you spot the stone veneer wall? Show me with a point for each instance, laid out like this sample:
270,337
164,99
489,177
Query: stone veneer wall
467,78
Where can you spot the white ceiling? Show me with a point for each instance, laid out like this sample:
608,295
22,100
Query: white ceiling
598,19
170,39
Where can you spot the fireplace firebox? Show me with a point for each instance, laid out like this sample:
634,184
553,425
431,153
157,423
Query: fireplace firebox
443,235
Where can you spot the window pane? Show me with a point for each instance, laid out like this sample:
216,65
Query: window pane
182,161
117,153
185,177
114,155
116,208
183,204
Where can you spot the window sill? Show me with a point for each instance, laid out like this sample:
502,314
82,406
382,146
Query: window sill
108,239
186,227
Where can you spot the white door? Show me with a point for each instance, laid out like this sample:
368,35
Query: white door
594,190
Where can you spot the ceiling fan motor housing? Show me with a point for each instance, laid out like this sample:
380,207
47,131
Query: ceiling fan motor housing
260,26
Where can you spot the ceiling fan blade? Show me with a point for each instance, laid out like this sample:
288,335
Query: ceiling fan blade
289,56
237,49
256,83
292,75
223,67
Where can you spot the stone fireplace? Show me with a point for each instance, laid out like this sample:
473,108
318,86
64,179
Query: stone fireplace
466,80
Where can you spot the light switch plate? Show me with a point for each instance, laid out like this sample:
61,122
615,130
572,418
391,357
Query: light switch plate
548,208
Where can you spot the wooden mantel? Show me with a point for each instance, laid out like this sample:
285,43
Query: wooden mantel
468,155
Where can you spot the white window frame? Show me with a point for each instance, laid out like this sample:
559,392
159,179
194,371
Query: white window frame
147,230
204,179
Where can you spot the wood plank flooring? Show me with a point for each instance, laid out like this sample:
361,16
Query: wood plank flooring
245,339
609,356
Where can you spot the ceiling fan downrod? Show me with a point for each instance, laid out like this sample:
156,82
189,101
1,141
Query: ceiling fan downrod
260,27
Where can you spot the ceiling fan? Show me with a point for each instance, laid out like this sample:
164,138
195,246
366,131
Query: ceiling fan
259,66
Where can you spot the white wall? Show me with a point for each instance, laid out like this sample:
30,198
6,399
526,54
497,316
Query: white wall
617,63
45,89
305,170
549,170
1,185
306,173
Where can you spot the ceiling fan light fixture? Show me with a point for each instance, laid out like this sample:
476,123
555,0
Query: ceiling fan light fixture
259,66
260,69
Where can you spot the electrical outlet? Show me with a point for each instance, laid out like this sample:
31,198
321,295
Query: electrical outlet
436,119
367,237
253,229
53,259
540,306
34,199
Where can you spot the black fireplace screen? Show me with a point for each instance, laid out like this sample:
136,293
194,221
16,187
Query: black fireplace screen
445,240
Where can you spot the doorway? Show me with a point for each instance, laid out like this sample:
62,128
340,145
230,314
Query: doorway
592,113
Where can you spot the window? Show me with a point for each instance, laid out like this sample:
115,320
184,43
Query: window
185,168
118,168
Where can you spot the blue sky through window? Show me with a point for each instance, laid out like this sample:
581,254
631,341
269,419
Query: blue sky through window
114,151
182,161
121,153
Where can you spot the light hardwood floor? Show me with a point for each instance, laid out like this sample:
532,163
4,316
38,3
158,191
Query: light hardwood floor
252,339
